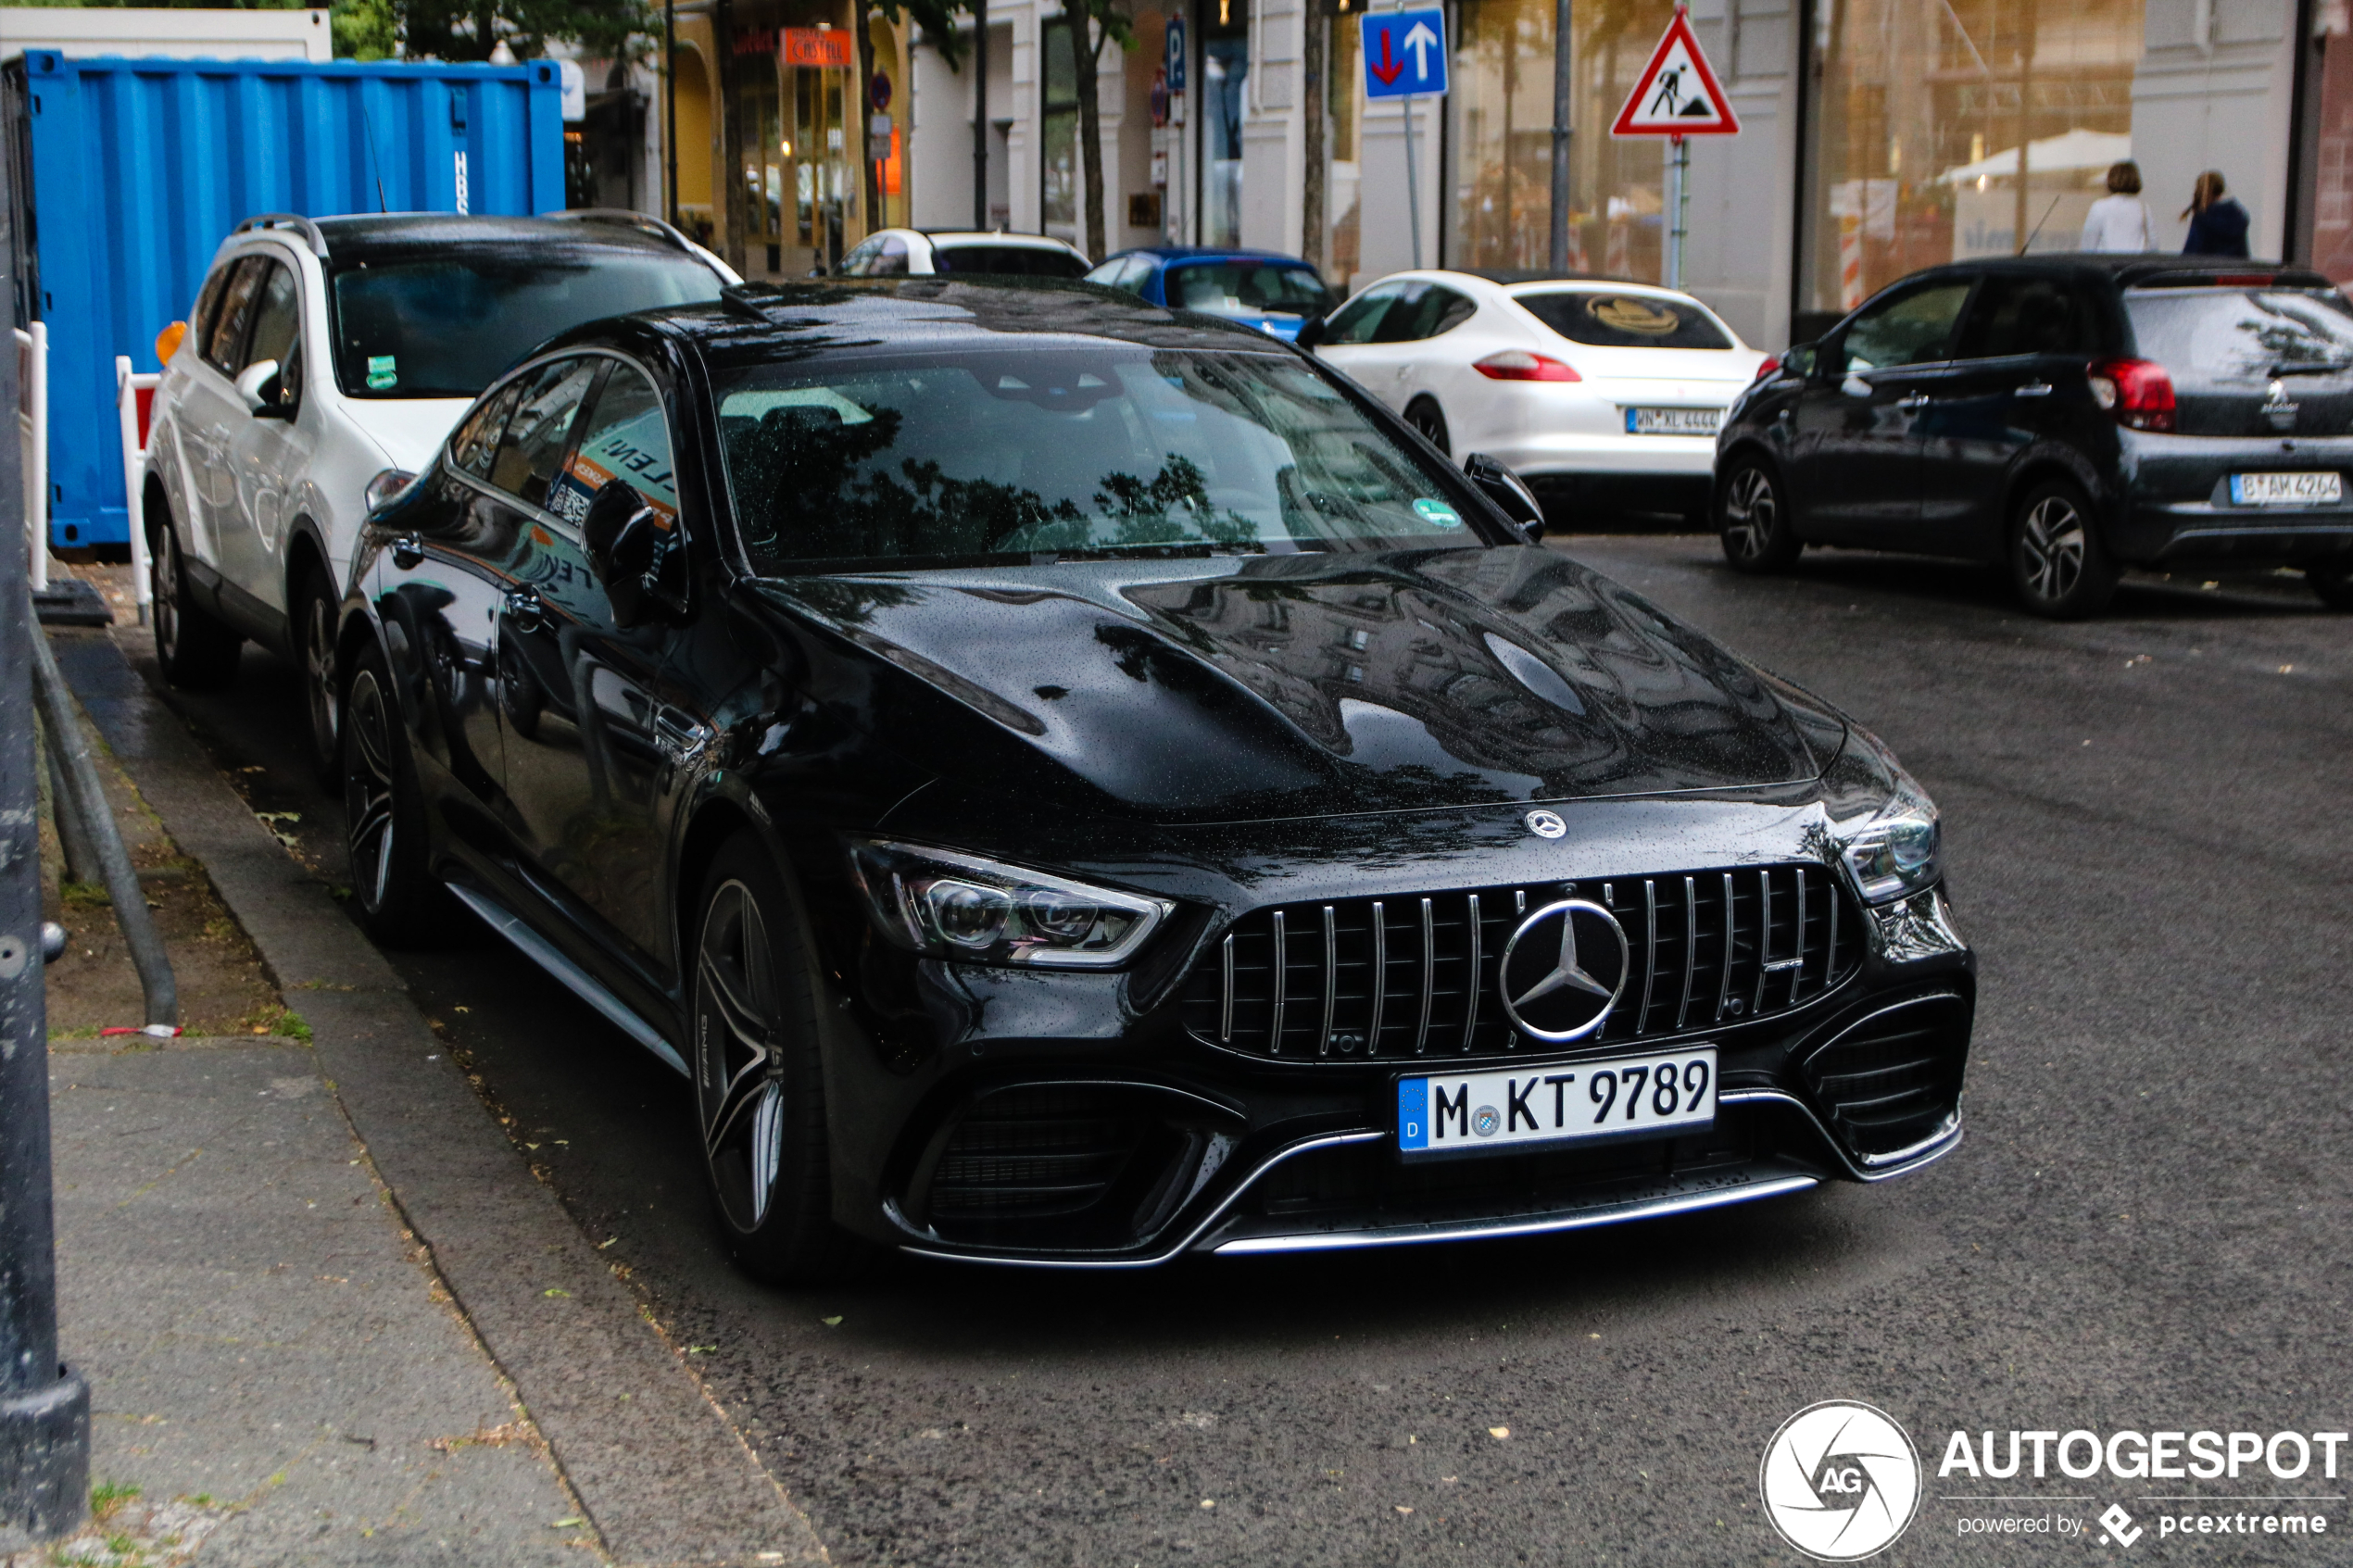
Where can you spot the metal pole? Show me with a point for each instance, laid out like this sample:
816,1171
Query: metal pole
45,1409
1564,77
1413,183
1680,165
980,114
670,106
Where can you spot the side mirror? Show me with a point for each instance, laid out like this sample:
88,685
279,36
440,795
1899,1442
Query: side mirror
260,385
631,546
1800,360
1311,333
1509,492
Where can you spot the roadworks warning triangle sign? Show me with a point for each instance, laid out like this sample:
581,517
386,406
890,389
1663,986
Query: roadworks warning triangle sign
1678,95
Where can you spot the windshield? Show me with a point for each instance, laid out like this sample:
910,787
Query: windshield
1247,288
444,326
1098,450
1624,320
1025,261
2235,334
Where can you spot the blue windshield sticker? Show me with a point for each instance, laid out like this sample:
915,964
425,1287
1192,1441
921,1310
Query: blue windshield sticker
1438,513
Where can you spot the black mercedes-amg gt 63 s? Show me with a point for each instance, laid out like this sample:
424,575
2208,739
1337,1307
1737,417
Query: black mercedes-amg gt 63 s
1072,783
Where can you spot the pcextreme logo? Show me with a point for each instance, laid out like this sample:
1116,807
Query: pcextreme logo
1841,1481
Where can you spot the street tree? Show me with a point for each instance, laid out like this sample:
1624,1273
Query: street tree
1093,24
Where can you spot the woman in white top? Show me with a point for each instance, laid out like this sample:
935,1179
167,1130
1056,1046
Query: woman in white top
2120,220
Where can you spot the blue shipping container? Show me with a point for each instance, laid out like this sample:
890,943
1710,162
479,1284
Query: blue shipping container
139,168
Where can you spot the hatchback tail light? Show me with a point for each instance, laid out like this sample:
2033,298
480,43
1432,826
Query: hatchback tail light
1772,366
2137,392
1514,364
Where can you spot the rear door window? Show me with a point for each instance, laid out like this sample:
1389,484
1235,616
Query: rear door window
540,431
1027,261
1424,310
1911,328
225,345
2241,334
1357,321
1623,321
2015,315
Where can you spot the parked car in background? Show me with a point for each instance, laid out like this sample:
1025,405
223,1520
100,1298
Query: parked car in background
321,365
2066,416
920,252
1071,785
1274,292
1596,393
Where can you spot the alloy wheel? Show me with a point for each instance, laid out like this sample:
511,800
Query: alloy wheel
368,789
163,587
738,1069
1751,514
318,669
1429,423
2051,544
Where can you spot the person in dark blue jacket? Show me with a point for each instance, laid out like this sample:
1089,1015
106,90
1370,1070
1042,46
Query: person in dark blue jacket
2217,223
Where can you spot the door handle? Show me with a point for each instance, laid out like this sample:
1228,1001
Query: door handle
2034,389
1916,400
525,611
408,552
682,740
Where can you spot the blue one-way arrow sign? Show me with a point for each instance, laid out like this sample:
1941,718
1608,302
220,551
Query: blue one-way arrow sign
1404,53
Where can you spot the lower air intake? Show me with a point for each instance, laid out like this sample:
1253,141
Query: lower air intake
1893,1079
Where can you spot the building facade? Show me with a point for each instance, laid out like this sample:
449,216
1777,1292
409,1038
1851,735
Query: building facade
1878,136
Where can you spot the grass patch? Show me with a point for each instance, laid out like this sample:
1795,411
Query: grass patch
83,895
106,1499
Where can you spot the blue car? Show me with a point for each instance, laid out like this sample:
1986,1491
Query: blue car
1274,292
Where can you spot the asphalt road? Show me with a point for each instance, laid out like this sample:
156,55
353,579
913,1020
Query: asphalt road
2146,1227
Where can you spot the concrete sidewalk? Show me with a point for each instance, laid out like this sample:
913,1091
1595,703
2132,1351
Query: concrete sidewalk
257,1295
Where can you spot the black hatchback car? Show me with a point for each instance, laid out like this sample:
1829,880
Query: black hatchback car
2067,416
1078,785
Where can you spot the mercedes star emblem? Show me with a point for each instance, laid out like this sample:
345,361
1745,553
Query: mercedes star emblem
1545,824
1562,969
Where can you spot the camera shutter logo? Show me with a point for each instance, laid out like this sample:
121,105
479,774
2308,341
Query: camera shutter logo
1841,1481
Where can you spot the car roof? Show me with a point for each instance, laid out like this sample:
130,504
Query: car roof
762,322
1213,252
2137,271
952,238
368,235
1511,277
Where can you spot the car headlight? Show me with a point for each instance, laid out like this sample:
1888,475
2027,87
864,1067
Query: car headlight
950,906
1882,823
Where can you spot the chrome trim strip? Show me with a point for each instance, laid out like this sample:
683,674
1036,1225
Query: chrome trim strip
1691,950
582,984
1871,1167
1471,1013
1684,1203
1380,977
1724,987
1797,981
1226,1015
1650,955
1331,980
1430,975
1282,972
1830,953
1764,938
1333,1140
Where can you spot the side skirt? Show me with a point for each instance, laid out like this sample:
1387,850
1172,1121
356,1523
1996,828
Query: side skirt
540,951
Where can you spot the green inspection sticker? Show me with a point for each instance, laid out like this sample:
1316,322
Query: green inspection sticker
384,370
1438,513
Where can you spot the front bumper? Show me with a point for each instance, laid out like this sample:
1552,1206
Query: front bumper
1165,1145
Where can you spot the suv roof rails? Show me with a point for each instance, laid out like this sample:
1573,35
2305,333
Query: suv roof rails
622,217
294,221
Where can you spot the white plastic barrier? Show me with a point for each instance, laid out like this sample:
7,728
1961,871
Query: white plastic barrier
128,384
32,428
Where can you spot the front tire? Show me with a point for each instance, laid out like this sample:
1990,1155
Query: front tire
1429,423
401,903
1753,521
197,653
314,624
760,1097
2057,564
2332,583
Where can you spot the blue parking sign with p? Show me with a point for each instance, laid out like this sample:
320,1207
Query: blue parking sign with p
1404,53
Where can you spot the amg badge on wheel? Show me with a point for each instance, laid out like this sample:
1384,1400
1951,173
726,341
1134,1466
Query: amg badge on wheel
1562,969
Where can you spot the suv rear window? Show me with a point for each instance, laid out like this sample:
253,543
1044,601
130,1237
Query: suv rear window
1233,288
1024,261
1623,321
444,325
2241,334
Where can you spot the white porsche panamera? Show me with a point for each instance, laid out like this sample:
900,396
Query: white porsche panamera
1595,392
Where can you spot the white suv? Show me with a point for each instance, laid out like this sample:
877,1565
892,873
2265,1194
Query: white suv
323,364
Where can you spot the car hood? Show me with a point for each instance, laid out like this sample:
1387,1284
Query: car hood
410,430
1271,686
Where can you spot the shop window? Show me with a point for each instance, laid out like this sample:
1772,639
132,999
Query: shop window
1058,170
1224,92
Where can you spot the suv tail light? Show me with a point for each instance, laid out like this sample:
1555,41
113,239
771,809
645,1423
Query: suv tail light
1516,364
2137,392
1772,366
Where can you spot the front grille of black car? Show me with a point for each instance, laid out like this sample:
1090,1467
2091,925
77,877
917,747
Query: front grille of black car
1411,975
1891,1080
1063,1166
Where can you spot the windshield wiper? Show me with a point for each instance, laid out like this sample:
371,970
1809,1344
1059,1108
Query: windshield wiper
2311,368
